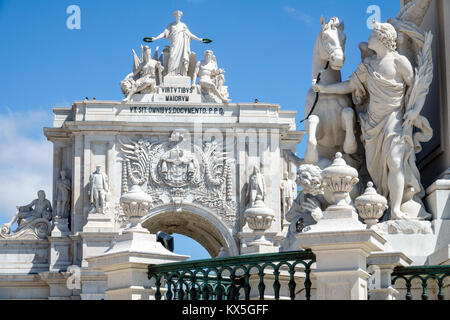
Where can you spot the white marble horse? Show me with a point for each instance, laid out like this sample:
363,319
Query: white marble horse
331,125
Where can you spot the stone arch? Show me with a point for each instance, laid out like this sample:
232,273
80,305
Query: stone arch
195,222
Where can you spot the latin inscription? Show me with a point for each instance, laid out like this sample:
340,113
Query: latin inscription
176,94
177,110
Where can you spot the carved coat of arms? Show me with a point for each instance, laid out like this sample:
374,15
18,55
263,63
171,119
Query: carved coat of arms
177,171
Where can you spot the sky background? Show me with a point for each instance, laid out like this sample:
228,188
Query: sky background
265,46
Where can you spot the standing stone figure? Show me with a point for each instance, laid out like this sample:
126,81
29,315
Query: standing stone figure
40,208
381,84
98,189
63,188
180,45
256,189
288,190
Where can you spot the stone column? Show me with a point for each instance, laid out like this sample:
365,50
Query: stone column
384,264
340,241
77,207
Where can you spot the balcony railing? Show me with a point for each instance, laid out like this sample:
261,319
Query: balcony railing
235,278
427,275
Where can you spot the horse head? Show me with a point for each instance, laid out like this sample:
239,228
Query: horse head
332,43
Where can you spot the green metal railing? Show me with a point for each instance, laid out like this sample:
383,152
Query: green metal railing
425,274
231,278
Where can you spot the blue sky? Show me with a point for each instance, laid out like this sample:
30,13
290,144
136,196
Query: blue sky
265,46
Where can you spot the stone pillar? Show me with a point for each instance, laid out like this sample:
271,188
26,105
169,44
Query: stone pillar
126,265
77,207
340,241
384,264
341,262
126,262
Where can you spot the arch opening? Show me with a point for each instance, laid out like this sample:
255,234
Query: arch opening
196,223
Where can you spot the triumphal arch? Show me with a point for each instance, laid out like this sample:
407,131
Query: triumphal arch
178,155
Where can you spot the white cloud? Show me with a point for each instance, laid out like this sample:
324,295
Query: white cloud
301,16
26,159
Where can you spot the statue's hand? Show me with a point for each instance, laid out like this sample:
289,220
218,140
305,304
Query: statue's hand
316,87
317,214
309,205
410,117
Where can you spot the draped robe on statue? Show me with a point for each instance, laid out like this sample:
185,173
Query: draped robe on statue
180,48
382,128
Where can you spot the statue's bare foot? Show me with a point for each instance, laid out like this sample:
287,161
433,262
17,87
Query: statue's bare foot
398,215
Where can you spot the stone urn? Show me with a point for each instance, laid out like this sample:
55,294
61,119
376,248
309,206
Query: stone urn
259,218
136,204
371,205
339,179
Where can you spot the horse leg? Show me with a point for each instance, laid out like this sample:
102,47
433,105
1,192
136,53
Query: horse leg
348,120
312,155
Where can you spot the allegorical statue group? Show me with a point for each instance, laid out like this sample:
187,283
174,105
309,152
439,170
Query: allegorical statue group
374,117
176,60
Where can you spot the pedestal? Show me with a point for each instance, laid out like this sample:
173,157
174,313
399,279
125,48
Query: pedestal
252,244
438,199
60,253
61,228
95,243
440,257
341,244
99,223
341,261
384,264
126,264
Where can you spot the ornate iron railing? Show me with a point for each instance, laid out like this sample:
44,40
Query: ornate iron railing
233,278
425,274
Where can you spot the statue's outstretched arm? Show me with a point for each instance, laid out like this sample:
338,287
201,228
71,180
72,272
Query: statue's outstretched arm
162,35
193,36
337,88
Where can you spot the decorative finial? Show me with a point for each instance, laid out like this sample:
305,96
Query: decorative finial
371,205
